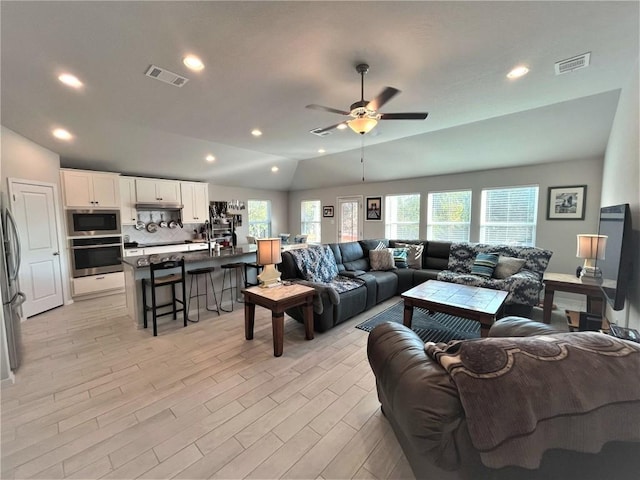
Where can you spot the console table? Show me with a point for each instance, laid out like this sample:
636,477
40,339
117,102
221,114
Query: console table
564,282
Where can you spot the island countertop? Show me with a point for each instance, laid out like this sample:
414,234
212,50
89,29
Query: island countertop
142,261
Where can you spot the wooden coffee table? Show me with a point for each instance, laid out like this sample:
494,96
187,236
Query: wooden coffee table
278,299
475,303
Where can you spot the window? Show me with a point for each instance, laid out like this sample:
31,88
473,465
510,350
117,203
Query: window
402,216
509,215
449,216
310,220
259,213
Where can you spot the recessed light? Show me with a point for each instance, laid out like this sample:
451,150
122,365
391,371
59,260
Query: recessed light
210,158
342,126
518,72
193,63
321,150
255,132
62,134
70,80
274,169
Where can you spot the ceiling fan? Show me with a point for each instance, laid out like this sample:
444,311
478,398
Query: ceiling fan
365,114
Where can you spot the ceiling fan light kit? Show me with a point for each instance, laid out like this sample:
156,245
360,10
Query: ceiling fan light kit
365,114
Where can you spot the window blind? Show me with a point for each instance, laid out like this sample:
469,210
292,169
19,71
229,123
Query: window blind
449,216
310,220
259,213
509,215
402,216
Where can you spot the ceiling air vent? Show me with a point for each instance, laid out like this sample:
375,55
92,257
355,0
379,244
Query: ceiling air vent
574,63
321,132
166,76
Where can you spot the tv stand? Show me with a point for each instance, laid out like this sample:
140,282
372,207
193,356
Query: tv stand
565,282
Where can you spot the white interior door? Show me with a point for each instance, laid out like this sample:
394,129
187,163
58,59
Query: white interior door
349,219
40,278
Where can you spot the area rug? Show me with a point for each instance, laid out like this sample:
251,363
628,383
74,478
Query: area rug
430,327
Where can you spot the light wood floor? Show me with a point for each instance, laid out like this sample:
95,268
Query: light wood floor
97,398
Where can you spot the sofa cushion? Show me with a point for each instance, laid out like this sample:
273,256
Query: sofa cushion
353,256
381,259
436,255
484,264
507,266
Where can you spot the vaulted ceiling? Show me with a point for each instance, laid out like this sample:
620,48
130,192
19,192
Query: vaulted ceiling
264,61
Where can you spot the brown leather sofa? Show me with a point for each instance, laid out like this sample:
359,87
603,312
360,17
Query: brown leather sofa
422,404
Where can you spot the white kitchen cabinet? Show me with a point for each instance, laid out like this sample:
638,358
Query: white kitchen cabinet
128,213
98,283
166,249
151,190
90,189
195,198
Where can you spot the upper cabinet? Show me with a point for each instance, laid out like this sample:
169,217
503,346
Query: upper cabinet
149,190
90,189
128,201
195,198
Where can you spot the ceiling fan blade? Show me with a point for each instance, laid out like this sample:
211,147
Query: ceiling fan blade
313,106
383,97
324,131
404,116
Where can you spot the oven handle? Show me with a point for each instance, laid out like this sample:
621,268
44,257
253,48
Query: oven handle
83,247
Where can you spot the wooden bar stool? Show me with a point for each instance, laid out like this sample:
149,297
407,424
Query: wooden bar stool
195,274
237,268
156,282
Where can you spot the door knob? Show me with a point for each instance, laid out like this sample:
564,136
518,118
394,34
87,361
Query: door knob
56,253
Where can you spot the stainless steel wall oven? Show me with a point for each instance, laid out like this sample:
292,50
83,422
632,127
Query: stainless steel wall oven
93,222
96,255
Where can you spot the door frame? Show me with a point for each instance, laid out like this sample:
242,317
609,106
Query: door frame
60,231
347,198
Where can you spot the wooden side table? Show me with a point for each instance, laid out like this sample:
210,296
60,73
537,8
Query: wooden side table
278,299
564,282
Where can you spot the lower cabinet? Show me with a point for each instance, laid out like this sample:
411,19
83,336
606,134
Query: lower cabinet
98,283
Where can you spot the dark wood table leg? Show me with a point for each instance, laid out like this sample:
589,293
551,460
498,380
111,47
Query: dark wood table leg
249,319
308,318
548,305
408,314
485,325
277,321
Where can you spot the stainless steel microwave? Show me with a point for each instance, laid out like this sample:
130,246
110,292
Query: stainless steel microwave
93,222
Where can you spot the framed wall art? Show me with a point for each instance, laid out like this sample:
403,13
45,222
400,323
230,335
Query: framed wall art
567,203
374,209
327,211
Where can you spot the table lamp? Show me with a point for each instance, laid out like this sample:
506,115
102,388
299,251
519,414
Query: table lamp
268,255
591,247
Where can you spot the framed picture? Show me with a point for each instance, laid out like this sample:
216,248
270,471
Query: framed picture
374,209
327,211
566,203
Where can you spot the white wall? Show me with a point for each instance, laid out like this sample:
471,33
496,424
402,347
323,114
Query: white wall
279,206
25,160
556,235
621,183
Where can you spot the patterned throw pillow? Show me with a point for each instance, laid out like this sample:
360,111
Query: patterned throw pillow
400,257
414,254
381,259
507,266
484,264
380,246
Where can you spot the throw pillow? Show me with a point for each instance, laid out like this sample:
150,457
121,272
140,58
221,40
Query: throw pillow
507,266
400,257
380,246
484,264
381,259
414,254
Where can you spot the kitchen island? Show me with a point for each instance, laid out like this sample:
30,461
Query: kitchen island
137,267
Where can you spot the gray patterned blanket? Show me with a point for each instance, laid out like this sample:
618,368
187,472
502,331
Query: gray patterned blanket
522,396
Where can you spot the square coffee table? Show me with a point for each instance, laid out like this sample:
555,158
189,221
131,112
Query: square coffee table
278,299
474,303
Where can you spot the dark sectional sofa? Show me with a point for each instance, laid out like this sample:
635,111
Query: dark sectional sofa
352,259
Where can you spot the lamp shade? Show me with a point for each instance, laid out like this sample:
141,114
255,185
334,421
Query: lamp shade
268,251
362,125
591,246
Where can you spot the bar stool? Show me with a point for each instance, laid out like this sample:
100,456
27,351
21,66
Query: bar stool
228,270
157,282
246,276
195,274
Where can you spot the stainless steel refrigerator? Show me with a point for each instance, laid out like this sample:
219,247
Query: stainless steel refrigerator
12,297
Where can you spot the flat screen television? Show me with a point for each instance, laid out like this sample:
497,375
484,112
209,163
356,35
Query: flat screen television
615,223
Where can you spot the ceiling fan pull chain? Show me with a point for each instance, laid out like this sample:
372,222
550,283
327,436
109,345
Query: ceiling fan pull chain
362,157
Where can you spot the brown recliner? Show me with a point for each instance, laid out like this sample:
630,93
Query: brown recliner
421,403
